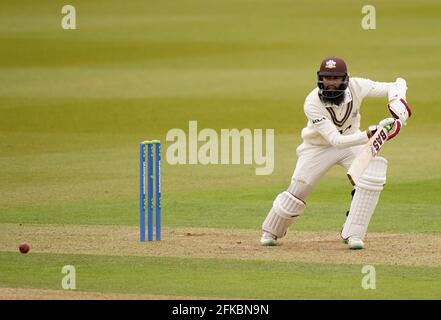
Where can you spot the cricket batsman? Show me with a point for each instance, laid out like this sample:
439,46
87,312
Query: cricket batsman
332,136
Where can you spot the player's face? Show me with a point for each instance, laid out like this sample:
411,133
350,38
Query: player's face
332,83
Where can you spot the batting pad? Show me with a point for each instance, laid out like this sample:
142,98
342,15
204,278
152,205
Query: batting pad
285,209
367,193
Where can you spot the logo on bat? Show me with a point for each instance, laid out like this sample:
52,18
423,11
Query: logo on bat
379,141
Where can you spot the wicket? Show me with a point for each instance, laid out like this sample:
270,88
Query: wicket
153,173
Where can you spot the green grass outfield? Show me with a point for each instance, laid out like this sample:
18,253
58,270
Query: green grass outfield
74,105
228,278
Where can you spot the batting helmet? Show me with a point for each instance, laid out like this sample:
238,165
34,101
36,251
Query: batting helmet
332,67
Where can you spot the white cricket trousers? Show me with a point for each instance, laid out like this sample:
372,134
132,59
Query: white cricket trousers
312,164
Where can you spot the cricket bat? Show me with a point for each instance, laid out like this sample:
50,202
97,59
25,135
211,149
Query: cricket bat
369,151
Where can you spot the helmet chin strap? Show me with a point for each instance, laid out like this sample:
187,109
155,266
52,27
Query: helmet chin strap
332,93
331,96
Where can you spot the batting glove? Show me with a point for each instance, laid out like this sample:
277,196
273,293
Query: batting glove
392,126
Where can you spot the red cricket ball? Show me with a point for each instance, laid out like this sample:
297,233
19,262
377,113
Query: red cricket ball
24,248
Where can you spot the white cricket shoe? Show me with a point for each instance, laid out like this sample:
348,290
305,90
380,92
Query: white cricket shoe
268,239
355,243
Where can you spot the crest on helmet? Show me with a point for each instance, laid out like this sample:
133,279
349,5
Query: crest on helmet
330,64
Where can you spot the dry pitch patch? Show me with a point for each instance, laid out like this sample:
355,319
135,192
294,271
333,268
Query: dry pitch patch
316,247
47,294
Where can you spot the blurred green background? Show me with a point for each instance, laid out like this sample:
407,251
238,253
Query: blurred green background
75,103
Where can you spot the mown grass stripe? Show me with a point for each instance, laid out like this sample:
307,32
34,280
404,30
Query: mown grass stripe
218,277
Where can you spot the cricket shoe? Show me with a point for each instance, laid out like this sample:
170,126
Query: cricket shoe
355,243
268,239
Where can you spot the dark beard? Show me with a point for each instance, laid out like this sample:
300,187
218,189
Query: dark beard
336,101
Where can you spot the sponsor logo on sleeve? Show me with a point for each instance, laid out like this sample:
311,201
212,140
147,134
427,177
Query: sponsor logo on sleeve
315,121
